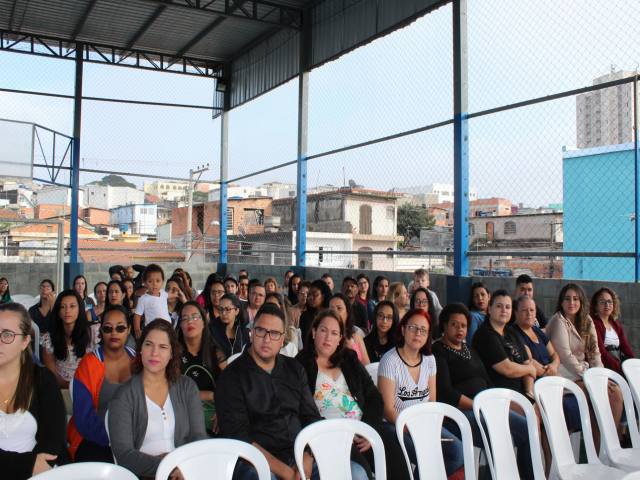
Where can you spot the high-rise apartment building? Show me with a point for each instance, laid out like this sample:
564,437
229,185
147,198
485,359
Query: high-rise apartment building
605,117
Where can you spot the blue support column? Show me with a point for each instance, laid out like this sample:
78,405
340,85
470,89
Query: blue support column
636,157
460,140
224,175
74,266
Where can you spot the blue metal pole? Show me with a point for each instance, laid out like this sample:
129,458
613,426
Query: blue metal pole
636,156
303,116
460,140
224,174
75,158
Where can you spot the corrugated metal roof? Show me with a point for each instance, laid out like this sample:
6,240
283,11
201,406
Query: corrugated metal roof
259,39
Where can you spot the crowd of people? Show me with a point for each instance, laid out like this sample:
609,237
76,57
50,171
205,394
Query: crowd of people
147,364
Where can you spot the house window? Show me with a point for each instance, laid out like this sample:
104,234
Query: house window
254,216
510,228
230,218
472,229
390,213
365,220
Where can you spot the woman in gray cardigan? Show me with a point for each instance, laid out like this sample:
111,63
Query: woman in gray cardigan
158,409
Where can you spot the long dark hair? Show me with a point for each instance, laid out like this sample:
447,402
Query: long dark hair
172,371
474,287
80,336
348,328
207,345
336,357
373,334
291,295
360,277
324,290
241,318
21,399
7,293
86,285
123,289
208,304
583,320
376,282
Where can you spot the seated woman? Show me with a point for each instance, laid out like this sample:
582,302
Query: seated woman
230,331
5,294
32,413
212,298
200,358
420,300
97,378
40,313
297,297
176,297
381,338
355,342
501,349
573,335
340,385
398,294
292,335
100,292
318,299
407,376
462,375
478,307
612,341
158,409
68,339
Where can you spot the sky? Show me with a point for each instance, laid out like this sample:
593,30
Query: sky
518,49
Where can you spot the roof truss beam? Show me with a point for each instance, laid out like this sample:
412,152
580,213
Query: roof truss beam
83,19
261,11
95,53
145,26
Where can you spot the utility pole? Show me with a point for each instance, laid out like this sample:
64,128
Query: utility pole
192,184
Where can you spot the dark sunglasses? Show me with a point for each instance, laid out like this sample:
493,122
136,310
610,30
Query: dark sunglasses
109,329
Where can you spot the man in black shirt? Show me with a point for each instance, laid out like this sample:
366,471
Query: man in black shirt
524,288
263,398
358,312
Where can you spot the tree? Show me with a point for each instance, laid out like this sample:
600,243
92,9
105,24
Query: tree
411,219
113,181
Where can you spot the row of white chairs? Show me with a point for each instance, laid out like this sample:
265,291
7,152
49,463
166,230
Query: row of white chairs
330,440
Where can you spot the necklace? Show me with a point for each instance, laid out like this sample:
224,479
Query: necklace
408,365
463,352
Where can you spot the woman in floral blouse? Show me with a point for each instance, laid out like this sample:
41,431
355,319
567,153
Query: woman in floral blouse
340,385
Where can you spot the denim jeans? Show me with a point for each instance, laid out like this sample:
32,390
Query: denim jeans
451,450
245,471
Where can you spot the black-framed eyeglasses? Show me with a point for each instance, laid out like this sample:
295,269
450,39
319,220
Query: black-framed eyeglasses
7,336
226,309
415,329
422,303
385,318
274,335
108,329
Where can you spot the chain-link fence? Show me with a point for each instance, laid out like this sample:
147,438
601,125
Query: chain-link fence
552,151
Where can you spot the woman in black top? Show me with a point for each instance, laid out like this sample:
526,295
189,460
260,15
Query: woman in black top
501,349
381,339
318,299
32,437
230,331
462,375
200,358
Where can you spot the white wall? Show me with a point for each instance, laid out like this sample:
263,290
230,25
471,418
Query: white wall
107,197
381,224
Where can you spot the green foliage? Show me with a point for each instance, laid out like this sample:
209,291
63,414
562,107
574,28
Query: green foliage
113,181
411,219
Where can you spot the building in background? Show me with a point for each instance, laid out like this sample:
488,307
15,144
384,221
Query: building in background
107,197
58,196
482,207
435,193
599,212
141,219
173,191
605,117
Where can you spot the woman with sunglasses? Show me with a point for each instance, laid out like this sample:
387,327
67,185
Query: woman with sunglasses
230,330
201,360
32,412
158,409
406,377
97,378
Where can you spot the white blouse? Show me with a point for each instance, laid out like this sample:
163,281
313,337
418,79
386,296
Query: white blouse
161,424
17,431
611,338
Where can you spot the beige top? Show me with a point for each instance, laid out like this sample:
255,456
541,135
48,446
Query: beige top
575,356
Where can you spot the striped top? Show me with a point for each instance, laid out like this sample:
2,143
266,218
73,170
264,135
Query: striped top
408,392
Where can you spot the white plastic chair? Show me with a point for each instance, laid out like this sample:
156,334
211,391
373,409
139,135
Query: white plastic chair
424,423
87,471
233,357
213,458
27,301
549,392
632,476
372,369
331,440
36,341
611,453
491,409
631,369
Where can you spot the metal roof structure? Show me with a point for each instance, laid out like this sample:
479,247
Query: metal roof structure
250,45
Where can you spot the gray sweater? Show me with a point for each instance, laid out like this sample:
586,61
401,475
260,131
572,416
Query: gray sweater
128,422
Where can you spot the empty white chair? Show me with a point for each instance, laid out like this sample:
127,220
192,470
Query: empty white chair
631,369
331,440
549,392
213,458
424,423
632,476
36,341
491,409
611,453
372,369
27,301
87,471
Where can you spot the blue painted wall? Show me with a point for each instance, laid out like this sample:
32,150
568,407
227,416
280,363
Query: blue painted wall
598,190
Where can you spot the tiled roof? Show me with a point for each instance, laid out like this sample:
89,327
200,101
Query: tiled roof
98,251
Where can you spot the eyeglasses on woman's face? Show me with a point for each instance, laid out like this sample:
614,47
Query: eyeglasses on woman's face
416,330
8,336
